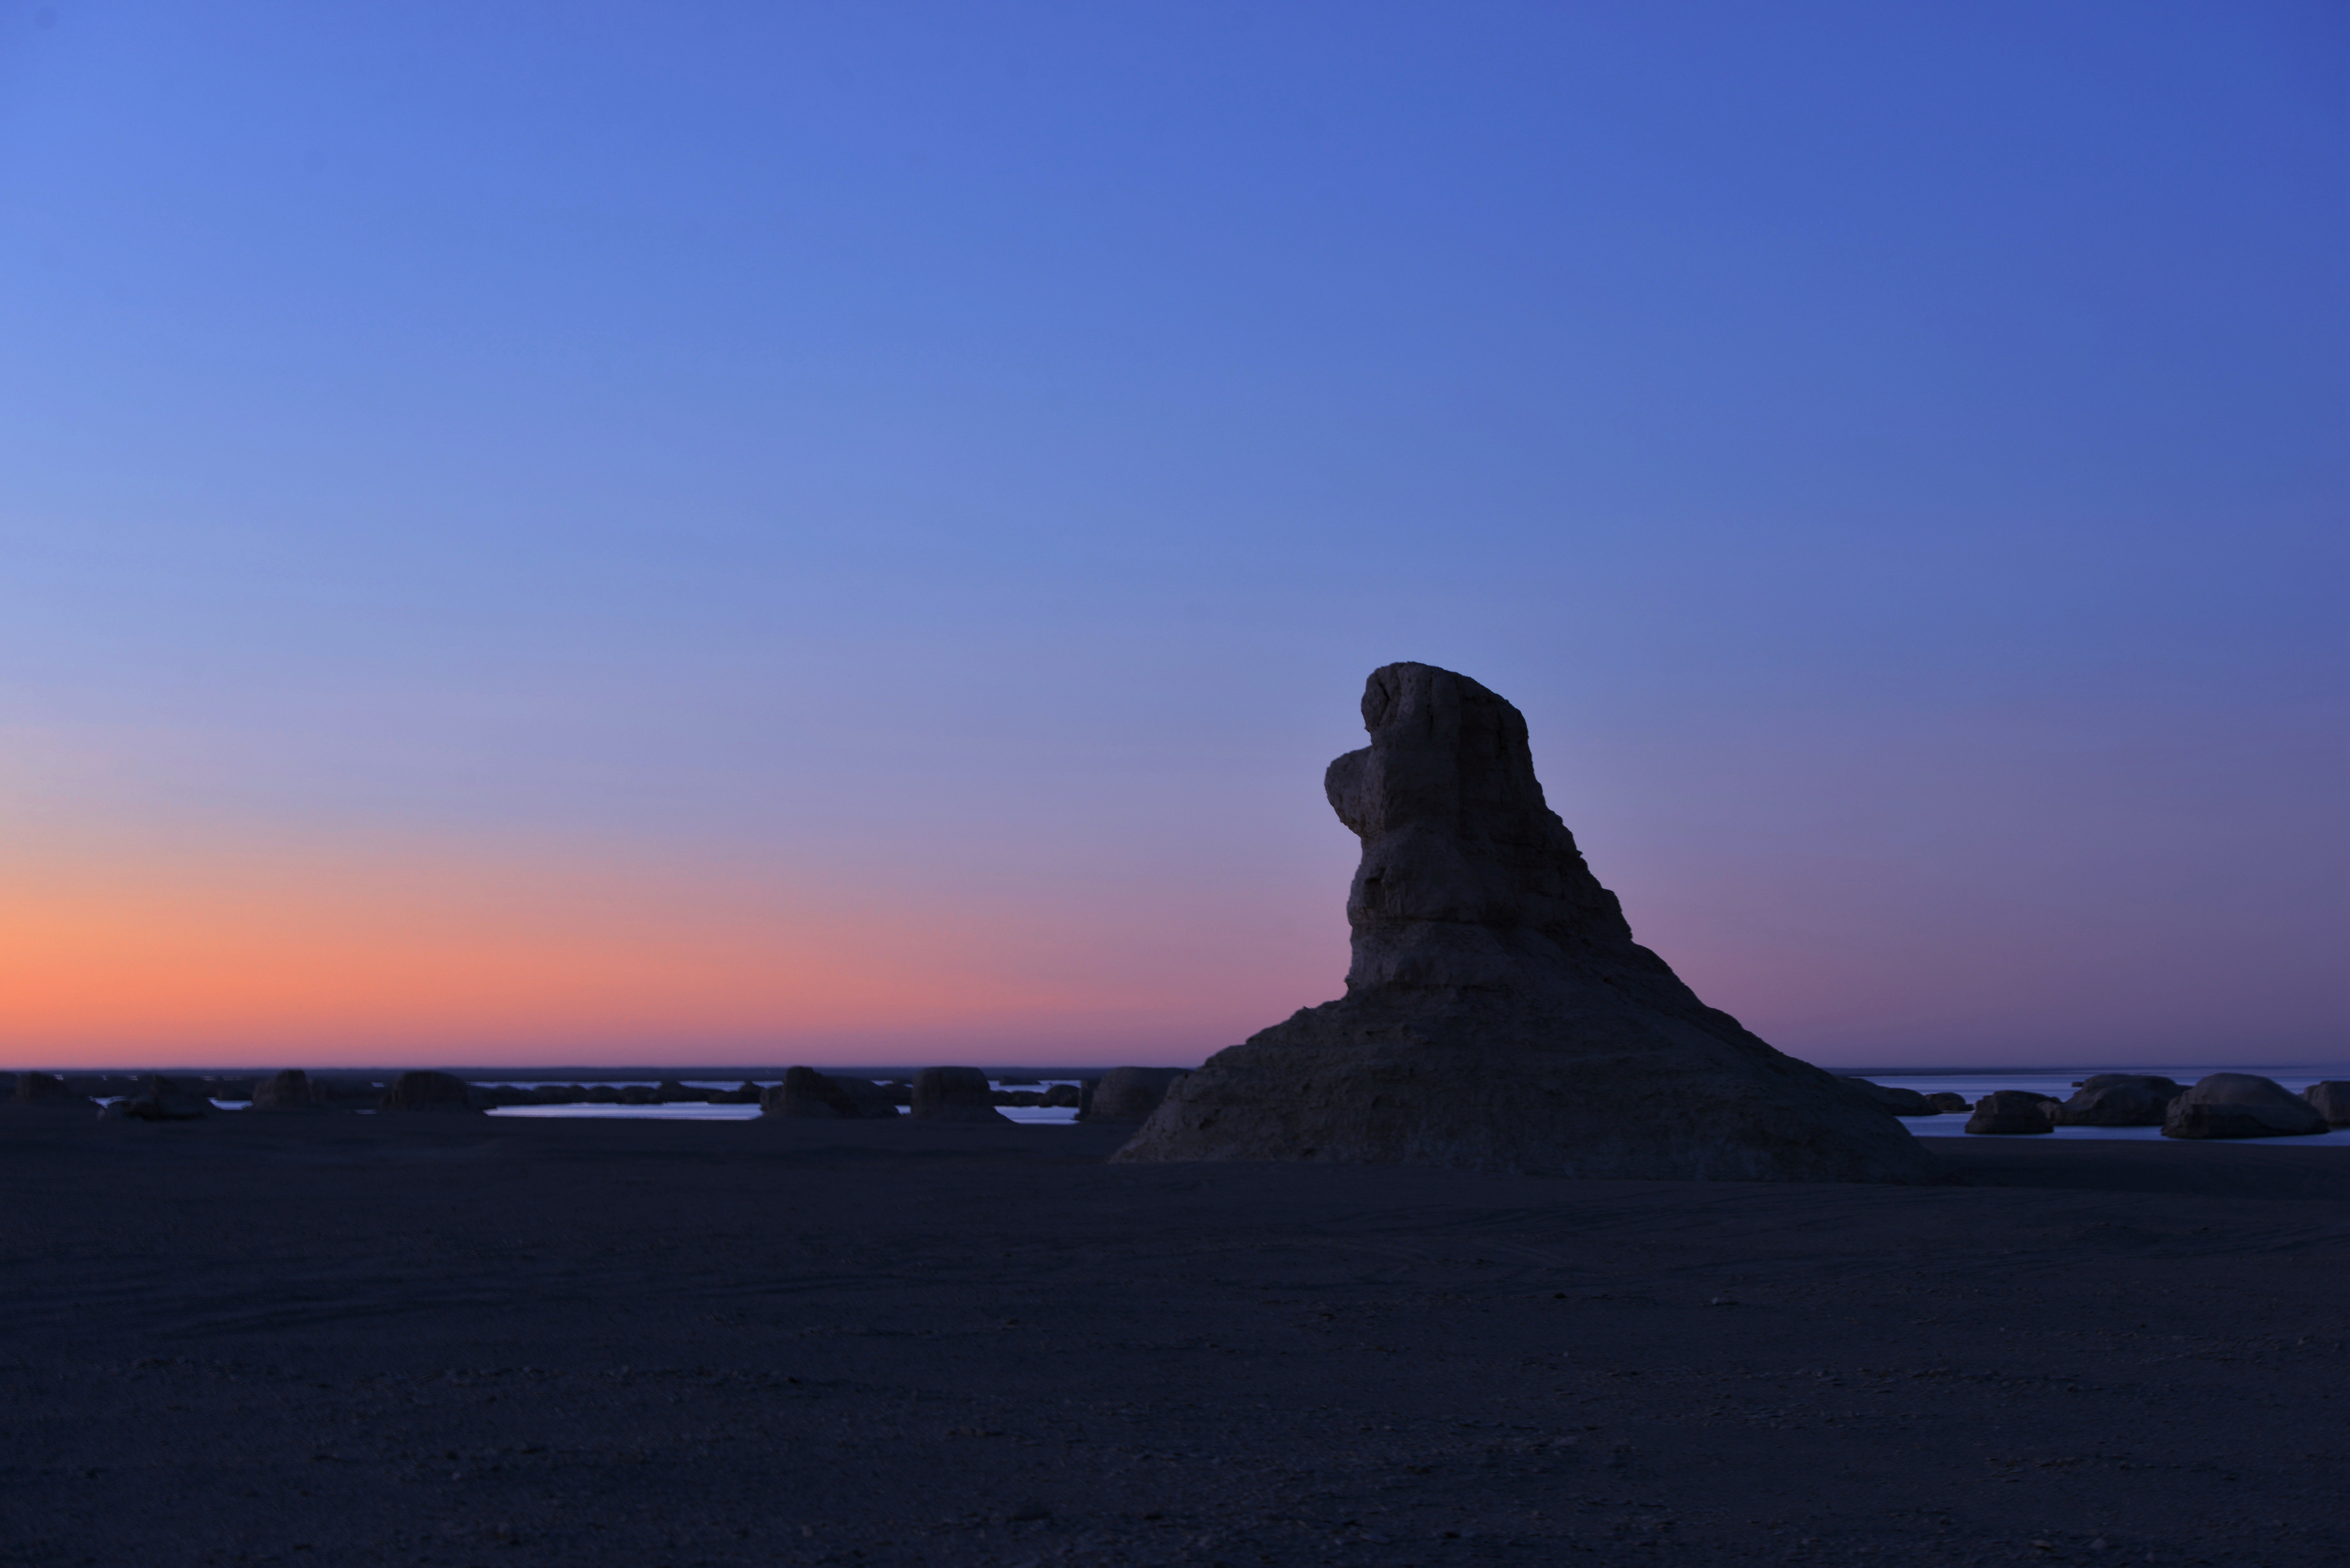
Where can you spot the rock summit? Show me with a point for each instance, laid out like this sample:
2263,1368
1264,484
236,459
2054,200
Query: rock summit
1498,1014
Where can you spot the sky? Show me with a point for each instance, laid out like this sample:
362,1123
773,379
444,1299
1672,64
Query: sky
625,534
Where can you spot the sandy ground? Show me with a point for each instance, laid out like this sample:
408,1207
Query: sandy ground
452,1340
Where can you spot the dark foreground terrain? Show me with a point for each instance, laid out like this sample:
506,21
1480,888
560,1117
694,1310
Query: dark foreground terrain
336,1339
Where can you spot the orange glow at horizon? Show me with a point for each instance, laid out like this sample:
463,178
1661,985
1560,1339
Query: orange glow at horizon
331,950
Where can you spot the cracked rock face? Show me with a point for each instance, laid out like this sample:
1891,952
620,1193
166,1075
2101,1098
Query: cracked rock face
1498,1014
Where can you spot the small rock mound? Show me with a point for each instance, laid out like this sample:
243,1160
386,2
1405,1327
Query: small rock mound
160,1099
2331,1100
955,1094
2168,1088
805,1092
429,1092
43,1089
2009,1111
1900,1101
2119,1100
2241,1105
287,1091
1129,1094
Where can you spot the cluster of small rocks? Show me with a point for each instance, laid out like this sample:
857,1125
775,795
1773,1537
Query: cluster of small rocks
2222,1105
952,1094
962,1095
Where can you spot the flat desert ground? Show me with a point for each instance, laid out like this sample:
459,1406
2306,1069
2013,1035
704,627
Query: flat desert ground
459,1340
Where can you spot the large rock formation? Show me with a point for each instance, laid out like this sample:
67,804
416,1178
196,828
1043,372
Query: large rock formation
1499,1015
2241,1105
2332,1099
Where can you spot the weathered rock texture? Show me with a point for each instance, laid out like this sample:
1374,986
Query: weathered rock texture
2005,1111
2241,1105
431,1091
805,1092
955,1094
1499,1015
2332,1099
1128,1094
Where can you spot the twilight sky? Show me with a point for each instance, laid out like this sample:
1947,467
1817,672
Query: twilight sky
729,532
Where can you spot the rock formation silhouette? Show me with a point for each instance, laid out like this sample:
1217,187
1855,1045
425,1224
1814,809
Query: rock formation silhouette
1498,1014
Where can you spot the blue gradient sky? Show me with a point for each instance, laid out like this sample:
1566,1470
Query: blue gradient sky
892,505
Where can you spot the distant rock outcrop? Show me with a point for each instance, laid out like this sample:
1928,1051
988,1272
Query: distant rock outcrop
1900,1101
1128,1094
1498,1014
805,1092
954,1095
2241,1105
430,1092
160,1099
1946,1101
42,1089
2331,1100
346,1093
2116,1100
2168,1088
2006,1111
287,1091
